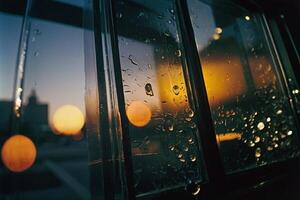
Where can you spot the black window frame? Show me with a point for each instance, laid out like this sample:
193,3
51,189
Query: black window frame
219,184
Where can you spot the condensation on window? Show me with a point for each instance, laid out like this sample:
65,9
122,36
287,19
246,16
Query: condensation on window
250,104
164,140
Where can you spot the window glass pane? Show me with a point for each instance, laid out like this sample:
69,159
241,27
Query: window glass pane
10,28
44,150
250,104
158,104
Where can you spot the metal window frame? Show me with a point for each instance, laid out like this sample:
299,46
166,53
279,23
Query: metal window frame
219,183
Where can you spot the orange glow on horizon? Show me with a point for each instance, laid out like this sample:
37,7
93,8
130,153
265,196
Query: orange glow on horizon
223,80
68,120
223,137
18,153
138,114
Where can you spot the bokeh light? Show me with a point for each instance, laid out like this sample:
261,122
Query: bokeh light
68,120
18,153
138,114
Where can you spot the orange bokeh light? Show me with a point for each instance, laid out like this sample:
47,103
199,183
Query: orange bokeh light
18,153
138,114
68,120
224,137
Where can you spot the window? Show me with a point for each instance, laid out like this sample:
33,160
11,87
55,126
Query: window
164,99
251,105
165,144
43,141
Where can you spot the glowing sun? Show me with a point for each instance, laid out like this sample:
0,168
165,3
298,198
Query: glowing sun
138,114
18,153
68,120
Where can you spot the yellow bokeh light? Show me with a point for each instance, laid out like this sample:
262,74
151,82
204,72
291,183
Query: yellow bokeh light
138,114
18,153
68,120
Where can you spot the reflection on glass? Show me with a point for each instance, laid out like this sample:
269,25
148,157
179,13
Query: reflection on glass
250,105
138,114
68,120
18,153
163,134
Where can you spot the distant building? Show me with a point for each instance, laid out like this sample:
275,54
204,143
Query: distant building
5,108
35,118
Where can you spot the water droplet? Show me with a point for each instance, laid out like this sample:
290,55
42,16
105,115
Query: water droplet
148,89
182,160
119,15
257,139
188,119
172,11
169,124
193,158
191,141
260,126
172,148
193,125
36,53
289,132
258,152
268,119
279,112
178,53
180,155
130,57
176,89
247,18
193,188
269,148
189,112
251,144
218,30
140,14
37,32
282,136
216,36
275,138
295,91
185,148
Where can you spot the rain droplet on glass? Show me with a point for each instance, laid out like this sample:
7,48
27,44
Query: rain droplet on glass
176,89
279,112
193,158
148,89
260,126
258,152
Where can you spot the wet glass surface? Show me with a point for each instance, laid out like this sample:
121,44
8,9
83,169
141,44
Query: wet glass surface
43,143
163,133
250,104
